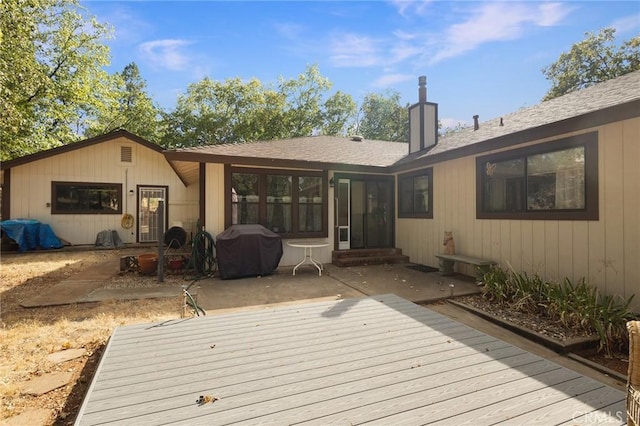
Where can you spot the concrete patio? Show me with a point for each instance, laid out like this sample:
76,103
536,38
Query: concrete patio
280,287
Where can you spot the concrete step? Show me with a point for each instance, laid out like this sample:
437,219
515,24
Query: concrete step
368,257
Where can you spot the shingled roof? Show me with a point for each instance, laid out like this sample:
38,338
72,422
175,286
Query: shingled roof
609,101
321,151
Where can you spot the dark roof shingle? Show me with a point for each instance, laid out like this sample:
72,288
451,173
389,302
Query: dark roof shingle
312,149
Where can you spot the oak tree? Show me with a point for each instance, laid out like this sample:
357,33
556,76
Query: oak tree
590,61
52,55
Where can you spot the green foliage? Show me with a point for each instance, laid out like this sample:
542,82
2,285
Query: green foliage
383,118
236,111
574,305
51,73
128,107
591,61
339,109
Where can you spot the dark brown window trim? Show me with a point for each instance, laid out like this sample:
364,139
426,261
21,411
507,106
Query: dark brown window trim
54,197
423,172
263,202
591,211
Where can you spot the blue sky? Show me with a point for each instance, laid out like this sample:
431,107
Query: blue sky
479,57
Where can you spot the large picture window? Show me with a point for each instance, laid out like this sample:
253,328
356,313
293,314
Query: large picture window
292,203
86,198
554,180
415,194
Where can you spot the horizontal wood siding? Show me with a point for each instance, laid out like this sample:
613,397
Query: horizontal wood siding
31,188
605,252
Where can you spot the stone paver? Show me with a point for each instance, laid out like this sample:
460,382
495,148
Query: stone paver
32,417
46,383
66,355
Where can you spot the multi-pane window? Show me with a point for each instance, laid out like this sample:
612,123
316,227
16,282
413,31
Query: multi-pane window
415,194
556,180
285,202
310,202
86,198
279,203
245,198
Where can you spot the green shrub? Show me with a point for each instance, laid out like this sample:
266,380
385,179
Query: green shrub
575,305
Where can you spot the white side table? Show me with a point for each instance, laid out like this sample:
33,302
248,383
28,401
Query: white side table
308,253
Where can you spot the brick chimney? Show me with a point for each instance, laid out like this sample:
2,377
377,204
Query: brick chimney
423,120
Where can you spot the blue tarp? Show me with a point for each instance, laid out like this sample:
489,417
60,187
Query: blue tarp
30,234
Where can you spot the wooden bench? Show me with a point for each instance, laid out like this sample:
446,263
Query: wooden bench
448,260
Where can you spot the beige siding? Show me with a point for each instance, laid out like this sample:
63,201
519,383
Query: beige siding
631,207
214,198
606,252
31,188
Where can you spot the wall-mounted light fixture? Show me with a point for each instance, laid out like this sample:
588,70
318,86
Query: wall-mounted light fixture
131,192
332,183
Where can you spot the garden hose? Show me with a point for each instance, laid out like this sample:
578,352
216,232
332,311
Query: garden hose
203,259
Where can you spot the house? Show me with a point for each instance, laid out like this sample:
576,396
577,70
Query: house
110,182
552,189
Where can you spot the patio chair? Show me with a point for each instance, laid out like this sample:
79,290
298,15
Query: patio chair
633,378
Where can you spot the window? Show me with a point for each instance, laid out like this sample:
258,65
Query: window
86,198
292,203
554,180
415,194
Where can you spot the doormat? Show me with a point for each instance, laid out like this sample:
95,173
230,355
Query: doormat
422,268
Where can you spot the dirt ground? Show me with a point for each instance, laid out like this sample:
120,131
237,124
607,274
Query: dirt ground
28,336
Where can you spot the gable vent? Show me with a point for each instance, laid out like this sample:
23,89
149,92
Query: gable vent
126,154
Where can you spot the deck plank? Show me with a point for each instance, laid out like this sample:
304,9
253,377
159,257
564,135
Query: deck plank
377,359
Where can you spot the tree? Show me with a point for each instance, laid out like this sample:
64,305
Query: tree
213,112
591,61
383,118
129,108
339,111
51,76
235,111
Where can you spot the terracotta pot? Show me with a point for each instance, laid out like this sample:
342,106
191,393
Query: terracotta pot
148,263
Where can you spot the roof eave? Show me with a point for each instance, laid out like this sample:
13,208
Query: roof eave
269,162
78,145
589,120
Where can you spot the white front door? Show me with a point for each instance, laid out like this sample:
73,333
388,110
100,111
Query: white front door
148,201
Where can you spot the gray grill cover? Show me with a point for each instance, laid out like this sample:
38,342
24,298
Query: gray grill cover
247,250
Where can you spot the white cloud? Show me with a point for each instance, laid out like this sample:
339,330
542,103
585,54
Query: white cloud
353,50
404,51
289,30
356,50
496,21
453,123
629,24
404,35
410,7
550,14
391,80
166,53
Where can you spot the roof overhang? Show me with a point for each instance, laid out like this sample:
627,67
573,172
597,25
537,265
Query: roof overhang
187,164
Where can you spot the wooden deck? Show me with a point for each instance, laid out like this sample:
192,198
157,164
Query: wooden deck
379,360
